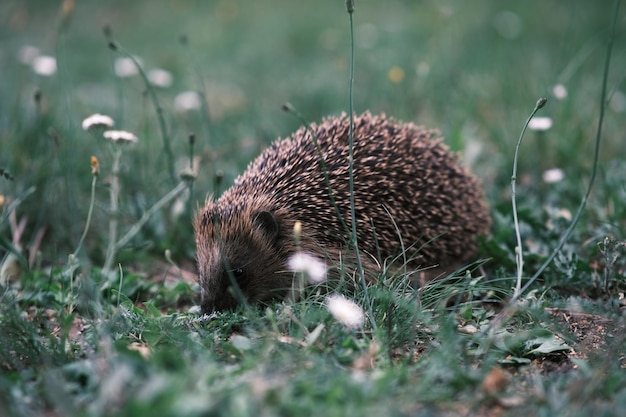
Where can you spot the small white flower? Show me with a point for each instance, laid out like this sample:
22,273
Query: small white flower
559,91
121,136
187,100
97,120
553,175
44,65
160,77
305,263
345,311
540,124
125,67
27,54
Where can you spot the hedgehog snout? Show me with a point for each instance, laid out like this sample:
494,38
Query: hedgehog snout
218,294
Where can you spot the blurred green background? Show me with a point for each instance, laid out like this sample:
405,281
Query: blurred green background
474,70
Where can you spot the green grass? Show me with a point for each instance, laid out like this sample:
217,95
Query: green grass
79,342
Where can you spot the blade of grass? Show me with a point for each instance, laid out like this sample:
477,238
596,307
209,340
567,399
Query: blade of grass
519,253
288,107
148,213
94,173
355,242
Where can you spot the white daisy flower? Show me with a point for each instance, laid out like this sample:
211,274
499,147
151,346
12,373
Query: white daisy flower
125,67
121,136
559,91
44,65
540,124
187,100
550,176
97,121
345,311
308,264
160,77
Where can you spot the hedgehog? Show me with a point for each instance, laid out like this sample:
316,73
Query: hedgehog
413,202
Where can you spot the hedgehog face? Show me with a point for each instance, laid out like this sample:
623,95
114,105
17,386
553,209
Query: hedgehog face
239,258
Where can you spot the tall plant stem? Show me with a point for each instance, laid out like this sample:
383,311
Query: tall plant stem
355,240
519,252
114,193
148,213
89,214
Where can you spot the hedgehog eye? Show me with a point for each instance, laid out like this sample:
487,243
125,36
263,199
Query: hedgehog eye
237,272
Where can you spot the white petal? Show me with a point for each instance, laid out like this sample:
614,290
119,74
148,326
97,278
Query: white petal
553,175
559,91
160,77
45,65
120,136
125,67
96,119
187,100
345,311
308,264
540,124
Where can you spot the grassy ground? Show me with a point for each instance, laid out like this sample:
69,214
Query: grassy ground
81,337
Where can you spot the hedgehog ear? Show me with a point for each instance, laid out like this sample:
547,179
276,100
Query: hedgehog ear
267,223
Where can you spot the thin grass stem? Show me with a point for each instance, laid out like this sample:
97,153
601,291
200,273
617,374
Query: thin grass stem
192,142
119,288
114,193
157,108
94,180
519,252
288,107
355,241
